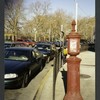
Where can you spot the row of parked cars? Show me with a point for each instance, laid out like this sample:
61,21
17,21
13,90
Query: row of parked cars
22,61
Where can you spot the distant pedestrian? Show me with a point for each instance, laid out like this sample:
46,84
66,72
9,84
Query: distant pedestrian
65,52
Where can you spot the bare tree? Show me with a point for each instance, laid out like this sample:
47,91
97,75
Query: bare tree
13,15
48,24
40,7
40,16
86,27
60,18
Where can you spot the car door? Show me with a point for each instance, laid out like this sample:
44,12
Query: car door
36,60
34,64
38,56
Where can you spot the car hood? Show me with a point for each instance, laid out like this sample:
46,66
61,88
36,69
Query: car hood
15,66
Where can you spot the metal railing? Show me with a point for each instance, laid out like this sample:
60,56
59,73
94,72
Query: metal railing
57,66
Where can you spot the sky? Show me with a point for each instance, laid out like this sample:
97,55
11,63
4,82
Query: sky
86,8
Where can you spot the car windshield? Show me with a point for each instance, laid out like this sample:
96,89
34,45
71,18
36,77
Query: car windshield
44,47
16,55
6,45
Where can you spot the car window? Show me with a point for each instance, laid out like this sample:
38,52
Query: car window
13,45
43,46
16,55
7,45
37,53
33,53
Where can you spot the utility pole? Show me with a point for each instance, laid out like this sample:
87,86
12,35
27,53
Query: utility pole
35,31
62,35
35,36
61,43
49,35
76,14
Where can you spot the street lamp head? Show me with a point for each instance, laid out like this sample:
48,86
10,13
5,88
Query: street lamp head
73,41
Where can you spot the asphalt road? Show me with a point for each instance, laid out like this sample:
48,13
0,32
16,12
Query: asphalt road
30,91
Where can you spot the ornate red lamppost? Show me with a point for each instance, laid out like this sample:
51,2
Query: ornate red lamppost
73,66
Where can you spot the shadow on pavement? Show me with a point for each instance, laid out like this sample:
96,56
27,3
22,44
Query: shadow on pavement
88,65
64,78
91,49
84,76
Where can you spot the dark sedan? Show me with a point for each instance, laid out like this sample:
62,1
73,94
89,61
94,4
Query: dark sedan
15,44
47,49
20,64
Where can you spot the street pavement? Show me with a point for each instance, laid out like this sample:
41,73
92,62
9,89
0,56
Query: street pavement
87,80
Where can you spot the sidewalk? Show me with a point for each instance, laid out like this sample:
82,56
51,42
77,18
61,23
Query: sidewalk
87,80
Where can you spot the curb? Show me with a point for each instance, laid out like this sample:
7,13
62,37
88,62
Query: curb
39,90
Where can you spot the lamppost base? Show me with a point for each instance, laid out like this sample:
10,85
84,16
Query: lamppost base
73,96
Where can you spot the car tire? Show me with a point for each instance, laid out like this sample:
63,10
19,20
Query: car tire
25,80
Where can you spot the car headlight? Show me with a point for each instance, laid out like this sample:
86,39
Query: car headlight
10,75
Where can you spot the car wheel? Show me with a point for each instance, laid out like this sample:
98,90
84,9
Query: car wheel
25,80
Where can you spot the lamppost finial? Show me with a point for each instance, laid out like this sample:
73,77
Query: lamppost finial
73,25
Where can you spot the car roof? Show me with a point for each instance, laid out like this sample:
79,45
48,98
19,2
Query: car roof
20,48
13,42
43,44
8,42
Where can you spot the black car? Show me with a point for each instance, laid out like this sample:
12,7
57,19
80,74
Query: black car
20,64
47,49
15,44
58,43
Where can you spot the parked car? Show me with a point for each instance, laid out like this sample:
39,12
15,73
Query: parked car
47,49
58,43
20,64
27,41
15,44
